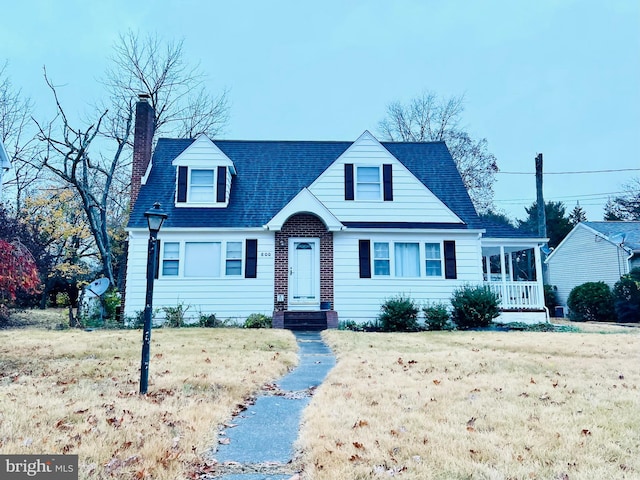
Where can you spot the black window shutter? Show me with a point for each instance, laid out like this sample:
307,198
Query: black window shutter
365,258
251,258
221,187
450,270
387,176
182,184
348,181
158,254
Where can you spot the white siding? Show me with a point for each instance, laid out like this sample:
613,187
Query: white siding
412,201
359,299
227,297
202,152
584,257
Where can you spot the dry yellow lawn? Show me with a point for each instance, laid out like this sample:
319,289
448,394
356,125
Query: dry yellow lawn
472,405
76,392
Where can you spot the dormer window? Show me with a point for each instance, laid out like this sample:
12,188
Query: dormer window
201,187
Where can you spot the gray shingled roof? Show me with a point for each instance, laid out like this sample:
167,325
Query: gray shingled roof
629,231
271,173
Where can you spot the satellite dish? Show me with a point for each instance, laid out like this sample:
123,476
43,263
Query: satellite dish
97,287
546,250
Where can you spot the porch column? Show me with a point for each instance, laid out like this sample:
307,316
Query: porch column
503,275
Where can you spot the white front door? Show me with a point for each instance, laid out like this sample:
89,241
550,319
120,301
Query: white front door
304,273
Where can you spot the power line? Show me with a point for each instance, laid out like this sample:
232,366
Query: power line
594,196
573,173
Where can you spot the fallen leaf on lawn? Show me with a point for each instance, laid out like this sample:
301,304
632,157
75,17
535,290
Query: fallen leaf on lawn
471,424
224,441
360,424
436,382
358,445
585,432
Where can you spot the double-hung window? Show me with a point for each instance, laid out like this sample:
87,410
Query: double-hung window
170,259
381,260
368,183
201,186
433,259
233,264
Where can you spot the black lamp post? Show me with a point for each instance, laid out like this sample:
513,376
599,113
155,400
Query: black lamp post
155,218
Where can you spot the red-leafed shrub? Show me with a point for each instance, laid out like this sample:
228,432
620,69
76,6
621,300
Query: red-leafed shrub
18,273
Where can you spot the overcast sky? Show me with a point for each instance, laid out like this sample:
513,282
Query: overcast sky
556,77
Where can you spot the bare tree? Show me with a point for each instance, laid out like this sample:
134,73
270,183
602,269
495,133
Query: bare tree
95,159
625,207
18,138
428,118
176,90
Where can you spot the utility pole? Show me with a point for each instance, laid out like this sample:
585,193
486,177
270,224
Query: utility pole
542,216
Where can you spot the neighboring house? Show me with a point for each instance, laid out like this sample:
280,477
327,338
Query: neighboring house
308,231
5,164
593,252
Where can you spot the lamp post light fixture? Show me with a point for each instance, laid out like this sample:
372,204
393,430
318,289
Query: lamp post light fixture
155,218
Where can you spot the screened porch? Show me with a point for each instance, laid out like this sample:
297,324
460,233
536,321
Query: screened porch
514,273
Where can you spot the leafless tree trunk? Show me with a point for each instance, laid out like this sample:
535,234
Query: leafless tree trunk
69,158
427,118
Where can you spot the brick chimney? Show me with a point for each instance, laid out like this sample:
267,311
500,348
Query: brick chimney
142,143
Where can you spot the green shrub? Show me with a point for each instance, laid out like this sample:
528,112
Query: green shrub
257,320
474,307
175,316
626,294
399,314
349,325
591,301
437,317
208,320
62,299
550,297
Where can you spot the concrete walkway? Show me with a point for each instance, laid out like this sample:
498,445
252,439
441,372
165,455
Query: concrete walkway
260,445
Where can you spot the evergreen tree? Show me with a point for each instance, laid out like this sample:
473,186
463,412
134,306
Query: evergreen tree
577,215
558,224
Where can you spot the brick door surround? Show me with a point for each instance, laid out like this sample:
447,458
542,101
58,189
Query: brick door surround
303,225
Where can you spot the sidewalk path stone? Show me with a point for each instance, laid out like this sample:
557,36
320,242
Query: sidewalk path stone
260,444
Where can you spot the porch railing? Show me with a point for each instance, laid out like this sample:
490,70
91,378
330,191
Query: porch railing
518,295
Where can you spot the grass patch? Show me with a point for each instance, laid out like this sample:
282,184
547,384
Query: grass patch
76,392
486,405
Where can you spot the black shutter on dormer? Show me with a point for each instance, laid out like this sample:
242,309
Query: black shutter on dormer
365,258
251,259
182,184
221,185
348,181
387,177
450,270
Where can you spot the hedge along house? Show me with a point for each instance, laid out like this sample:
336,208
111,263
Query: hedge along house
311,231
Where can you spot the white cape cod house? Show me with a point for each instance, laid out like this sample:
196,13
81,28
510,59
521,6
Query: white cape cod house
309,232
